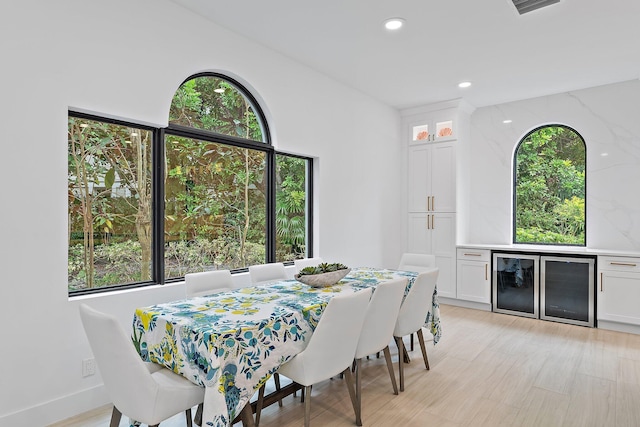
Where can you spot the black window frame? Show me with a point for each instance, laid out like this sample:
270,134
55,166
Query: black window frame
515,184
158,190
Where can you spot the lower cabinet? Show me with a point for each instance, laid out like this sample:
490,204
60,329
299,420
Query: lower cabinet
473,275
619,289
435,233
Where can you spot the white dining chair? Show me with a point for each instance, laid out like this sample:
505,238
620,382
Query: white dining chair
331,348
263,273
412,315
377,332
299,264
207,282
416,262
138,390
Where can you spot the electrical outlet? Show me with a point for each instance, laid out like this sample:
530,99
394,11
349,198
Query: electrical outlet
88,367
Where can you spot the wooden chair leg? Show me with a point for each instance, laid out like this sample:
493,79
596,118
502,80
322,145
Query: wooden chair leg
307,405
352,393
276,380
401,351
116,415
259,404
188,416
392,375
198,418
358,404
423,348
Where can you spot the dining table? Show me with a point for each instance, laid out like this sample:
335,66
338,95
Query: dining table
232,342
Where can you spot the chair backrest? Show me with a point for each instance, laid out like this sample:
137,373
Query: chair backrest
306,262
207,282
417,303
263,273
125,376
417,262
332,346
381,317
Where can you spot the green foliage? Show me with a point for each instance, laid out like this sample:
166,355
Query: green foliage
550,187
322,268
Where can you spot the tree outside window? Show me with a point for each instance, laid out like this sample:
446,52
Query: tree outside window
549,201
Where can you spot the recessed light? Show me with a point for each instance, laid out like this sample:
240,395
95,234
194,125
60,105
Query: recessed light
393,23
507,121
464,84
604,154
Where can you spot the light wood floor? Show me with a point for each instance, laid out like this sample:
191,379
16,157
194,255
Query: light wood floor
489,369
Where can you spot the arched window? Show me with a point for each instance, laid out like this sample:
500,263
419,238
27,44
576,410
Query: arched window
148,205
550,187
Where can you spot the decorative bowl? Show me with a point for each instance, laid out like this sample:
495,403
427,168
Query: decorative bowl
323,279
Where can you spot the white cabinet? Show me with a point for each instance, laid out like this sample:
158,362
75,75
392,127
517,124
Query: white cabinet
435,233
619,289
432,177
473,283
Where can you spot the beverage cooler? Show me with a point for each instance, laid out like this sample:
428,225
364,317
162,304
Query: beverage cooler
558,288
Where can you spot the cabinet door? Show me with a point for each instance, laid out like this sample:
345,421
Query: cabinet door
473,281
443,177
419,166
443,246
618,296
419,233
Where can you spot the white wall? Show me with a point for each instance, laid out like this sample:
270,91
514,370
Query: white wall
606,117
125,59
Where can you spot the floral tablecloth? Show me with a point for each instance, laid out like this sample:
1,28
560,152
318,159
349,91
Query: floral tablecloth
232,342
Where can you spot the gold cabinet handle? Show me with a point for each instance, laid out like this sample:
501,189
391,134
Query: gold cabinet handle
486,272
625,264
428,203
433,203
601,280
472,254
432,223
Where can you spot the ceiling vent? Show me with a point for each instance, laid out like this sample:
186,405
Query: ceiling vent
525,6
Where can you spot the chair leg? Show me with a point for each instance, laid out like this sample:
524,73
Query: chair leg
423,348
116,415
352,393
307,405
358,404
198,418
411,341
259,404
401,350
392,375
188,416
276,380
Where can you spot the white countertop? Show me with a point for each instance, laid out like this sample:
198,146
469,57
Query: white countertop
576,250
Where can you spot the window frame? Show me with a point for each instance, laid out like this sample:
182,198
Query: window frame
515,185
158,159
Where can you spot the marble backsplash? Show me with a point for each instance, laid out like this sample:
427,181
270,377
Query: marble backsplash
607,117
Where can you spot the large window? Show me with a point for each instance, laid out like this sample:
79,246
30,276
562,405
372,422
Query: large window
549,199
209,192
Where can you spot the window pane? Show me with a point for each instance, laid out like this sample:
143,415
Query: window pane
215,206
291,208
550,187
214,104
109,177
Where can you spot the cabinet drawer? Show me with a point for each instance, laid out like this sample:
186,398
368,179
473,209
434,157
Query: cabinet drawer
619,264
474,254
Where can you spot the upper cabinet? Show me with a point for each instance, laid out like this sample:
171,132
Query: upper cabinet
439,126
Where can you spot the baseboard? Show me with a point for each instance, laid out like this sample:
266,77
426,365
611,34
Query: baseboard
465,304
619,327
58,409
